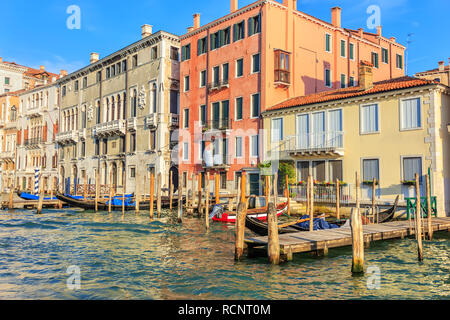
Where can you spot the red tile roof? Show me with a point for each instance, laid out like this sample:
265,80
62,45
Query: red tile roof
446,68
36,73
382,86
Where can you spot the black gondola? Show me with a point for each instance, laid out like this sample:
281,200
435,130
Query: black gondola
261,228
104,206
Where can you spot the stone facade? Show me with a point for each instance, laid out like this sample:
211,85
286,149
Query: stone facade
118,113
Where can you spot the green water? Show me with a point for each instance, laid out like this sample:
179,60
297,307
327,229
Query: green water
129,257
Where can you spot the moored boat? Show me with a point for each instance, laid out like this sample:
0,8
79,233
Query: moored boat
259,214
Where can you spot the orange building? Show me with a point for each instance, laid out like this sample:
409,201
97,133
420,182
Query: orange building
236,67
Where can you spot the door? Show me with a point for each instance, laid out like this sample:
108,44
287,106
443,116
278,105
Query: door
318,130
335,129
254,183
303,131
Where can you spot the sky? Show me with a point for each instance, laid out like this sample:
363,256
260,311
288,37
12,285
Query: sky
35,33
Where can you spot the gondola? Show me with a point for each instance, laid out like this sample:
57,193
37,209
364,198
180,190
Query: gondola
259,214
29,196
116,205
261,228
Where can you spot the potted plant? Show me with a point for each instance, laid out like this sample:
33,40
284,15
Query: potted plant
409,182
370,182
265,168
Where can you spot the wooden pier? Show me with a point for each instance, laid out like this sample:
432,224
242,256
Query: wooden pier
322,240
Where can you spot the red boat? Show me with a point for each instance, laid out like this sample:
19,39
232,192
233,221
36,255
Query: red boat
260,214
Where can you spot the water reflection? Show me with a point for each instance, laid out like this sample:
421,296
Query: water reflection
130,257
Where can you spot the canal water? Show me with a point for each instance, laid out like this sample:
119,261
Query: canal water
129,257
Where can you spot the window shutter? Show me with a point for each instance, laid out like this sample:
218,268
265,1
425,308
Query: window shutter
199,47
183,53
44,133
251,26
235,33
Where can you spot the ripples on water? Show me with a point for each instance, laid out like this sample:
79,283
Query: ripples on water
132,258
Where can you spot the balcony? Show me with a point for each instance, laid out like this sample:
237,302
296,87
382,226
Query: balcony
218,161
67,137
34,113
321,144
151,121
132,124
282,78
8,156
82,134
33,143
174,120
218,85
108,129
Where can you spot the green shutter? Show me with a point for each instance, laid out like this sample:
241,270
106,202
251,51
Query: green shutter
199,47
251,26
221,38
183,53
235,33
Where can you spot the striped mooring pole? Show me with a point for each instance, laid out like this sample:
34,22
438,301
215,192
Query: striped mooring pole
36,181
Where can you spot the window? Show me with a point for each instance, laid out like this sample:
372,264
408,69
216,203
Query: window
335,167
203,115
154,53
97,147
225,72
7,80
122,147
83,149
202,46
99,76
343,80
282,61
328,78
105,146
134,104
76,85
186,118
108,73
239,31
351,82
239,147
223,180
399,61
255,105
410,114
202,78
174,54
239,68
152,140
135,60
124,65
224,36
239,108
375,59
132,172
237,177
216,76
327,42
369,118
411,166
85,82
254,25
214,41
118,68
64,91
254,141
186,151
277,130
384,55
133,142
352,51
186,83
343,48
113,70
255,63
371,170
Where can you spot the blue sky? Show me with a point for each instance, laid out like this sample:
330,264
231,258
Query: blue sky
34,33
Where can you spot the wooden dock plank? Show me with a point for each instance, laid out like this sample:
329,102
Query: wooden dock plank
333,238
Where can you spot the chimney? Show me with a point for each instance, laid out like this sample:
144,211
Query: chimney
94,57
361,32
393,39
290,3
190,29
441,65
336,17
42,68
196,20
63,73
365,75
379,29
234,5
1,59
147,30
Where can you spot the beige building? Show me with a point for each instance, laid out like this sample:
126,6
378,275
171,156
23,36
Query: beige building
441,74
117,115
388,130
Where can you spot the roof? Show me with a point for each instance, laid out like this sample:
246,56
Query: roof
381,86
13,93
446,69
31,72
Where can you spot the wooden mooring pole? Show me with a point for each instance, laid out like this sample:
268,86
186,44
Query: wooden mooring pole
180,200
158,195
96,190
373,200
429,211
244,188
200,195
110,192
311,203
217,187
11,201
41,195
288,195
273,247
357,235
123,192
170,190
207,201
418,216
338,199
138,196
275,189
152,190
240,231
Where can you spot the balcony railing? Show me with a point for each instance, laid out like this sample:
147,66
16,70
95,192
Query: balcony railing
217,85
67,137
33,142
7,155
217,161
323,143
218,124
151,121
132,124
116,127
174,120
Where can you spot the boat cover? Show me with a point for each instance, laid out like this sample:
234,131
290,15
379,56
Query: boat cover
319,224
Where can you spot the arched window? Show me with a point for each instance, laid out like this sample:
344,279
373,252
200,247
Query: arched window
99,112
113,109
134,104
154,97
124,105
107,110
119,105
13,115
